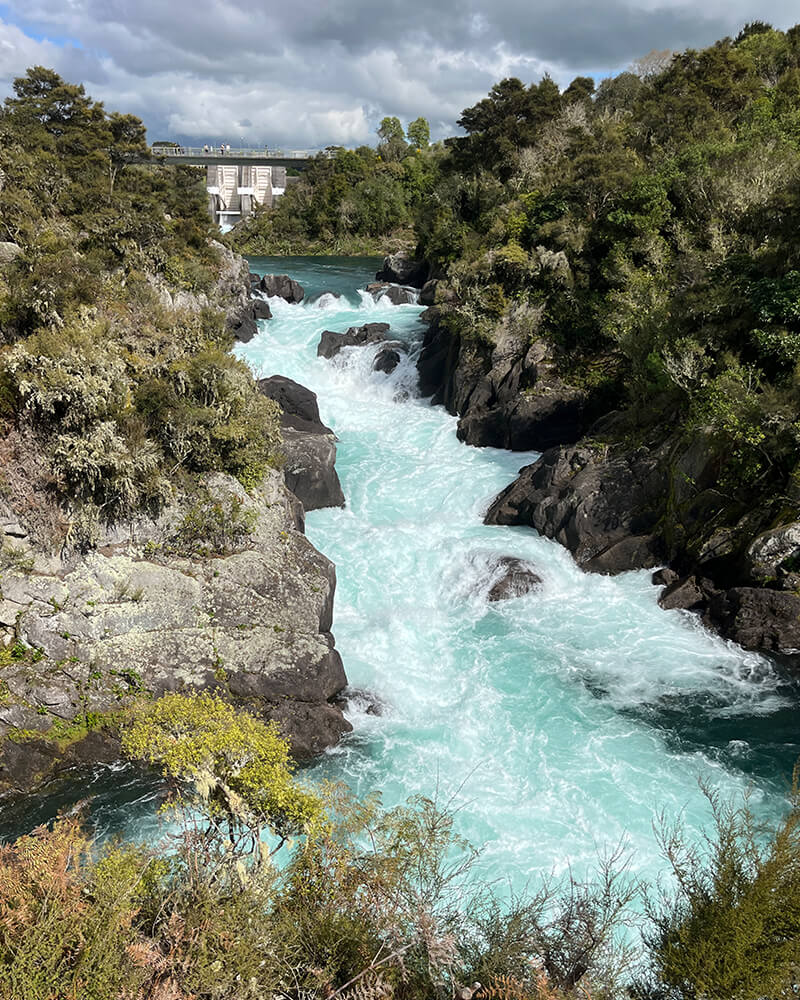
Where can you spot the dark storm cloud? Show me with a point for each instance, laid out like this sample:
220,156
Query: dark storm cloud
317,72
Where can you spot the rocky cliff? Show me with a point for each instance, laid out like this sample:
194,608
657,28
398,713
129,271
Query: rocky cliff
620,507
219,590
507,393
620,496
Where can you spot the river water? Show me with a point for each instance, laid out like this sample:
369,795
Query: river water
560,724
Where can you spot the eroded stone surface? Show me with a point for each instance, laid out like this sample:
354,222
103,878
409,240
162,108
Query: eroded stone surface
134,616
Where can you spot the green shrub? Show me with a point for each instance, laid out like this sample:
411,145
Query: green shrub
730,930
213,526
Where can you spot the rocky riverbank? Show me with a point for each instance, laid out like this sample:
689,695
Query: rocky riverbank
619,496
220,591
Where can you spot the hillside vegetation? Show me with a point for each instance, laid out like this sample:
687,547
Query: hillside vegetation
651,224
360,201
642,233
369,902
115,376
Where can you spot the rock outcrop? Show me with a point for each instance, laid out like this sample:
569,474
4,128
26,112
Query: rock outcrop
231,293
309,446
389,357
604,509
282,286
9,253
402,269
620,509
356,336
517,578
506,394
398,295
219,593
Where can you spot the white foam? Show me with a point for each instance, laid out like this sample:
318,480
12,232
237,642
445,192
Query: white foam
540,703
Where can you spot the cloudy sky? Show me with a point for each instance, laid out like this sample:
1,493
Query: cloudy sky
309,73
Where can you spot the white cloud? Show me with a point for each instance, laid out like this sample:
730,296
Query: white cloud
315,73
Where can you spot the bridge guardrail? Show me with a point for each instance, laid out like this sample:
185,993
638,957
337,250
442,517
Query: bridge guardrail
195,151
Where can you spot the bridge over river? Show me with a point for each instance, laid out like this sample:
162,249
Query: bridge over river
237,180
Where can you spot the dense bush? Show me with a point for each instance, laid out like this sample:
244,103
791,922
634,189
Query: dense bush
369,902
349,201
124,393
652,226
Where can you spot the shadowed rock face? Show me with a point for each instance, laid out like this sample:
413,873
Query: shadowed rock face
283,286
507,395
517,579
252,623
603,510
309,446
401,269
396,294
625,509
245,326
388,357
357,336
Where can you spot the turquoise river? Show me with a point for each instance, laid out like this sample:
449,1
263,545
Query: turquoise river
559,724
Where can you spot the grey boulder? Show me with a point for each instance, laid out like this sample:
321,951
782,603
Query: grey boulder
356,336
282,286
517,579
309,446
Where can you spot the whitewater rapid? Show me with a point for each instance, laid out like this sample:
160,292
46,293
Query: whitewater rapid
563,722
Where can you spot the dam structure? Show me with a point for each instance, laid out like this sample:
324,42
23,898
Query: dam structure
238,180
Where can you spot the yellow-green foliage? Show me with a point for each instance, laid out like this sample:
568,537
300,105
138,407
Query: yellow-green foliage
239,765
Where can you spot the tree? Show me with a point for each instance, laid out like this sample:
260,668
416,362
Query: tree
651,65
504,123
128,145
234,768
731,928
392,146
390,128
419,133
44,99
581,89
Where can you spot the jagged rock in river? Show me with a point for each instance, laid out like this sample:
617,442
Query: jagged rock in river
261,309
160,606
309,446
427,297
357,336
604,509
246,326
518,578
687,593
396,294
506,394
758,618
283,286
620,509
388,357
401,269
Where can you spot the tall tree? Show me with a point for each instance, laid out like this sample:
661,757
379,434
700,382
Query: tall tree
392,146
419,133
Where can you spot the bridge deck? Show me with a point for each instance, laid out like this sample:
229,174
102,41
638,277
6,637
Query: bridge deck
255,157
257,161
